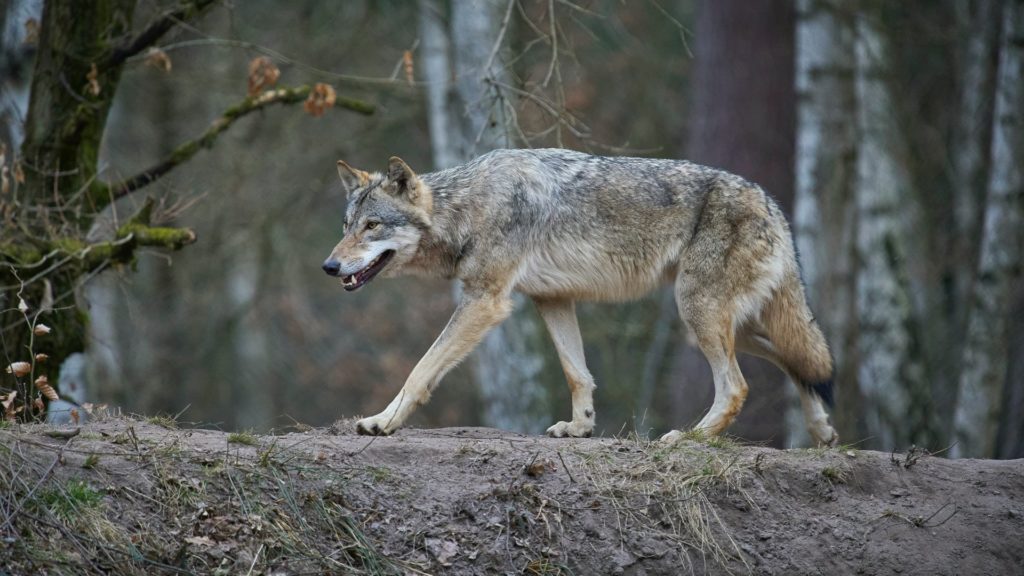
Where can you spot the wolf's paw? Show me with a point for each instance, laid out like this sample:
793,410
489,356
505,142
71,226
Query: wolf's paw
823,433
573,429
828,439
374,426
672,437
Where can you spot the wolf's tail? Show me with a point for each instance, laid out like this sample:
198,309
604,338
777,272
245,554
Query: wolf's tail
798,342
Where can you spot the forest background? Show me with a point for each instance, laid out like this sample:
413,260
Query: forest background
889,132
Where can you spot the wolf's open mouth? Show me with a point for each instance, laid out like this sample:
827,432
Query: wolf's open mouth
355,281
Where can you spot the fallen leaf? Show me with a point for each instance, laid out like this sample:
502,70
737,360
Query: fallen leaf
200,541
321,97
74,415
262,75
443,550
19,369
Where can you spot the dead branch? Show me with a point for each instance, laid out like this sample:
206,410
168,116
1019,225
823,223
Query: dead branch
189,149
156,30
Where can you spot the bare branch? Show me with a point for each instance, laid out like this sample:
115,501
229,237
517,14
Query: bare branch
156,30
189,149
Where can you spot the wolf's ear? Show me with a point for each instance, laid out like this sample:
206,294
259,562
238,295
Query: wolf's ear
407,186
352,178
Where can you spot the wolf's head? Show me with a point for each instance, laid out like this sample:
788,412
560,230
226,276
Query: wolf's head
386,217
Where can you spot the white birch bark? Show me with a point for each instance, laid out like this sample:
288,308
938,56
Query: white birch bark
15,70
999,266
824,213
974,129
889,372
466,120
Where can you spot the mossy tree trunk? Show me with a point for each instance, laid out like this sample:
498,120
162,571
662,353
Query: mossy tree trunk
46,217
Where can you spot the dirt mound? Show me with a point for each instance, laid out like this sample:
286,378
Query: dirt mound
126,496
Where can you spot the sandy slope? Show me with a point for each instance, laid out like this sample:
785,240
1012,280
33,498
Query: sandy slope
135,497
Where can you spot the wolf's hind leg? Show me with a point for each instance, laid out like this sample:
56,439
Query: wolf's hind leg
712,324
560,318
476,314
753,340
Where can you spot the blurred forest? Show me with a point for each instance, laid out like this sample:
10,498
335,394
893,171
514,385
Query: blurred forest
889,132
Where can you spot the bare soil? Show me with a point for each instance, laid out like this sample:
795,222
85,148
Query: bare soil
134,497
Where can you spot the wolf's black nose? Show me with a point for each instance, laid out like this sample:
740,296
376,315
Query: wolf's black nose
332,267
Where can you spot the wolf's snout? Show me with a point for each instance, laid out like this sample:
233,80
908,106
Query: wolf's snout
332,267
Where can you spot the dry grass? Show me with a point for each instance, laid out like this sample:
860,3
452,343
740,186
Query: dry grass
172,511
667,490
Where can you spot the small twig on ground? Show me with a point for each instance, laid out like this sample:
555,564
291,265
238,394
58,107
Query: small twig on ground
17,509
565,467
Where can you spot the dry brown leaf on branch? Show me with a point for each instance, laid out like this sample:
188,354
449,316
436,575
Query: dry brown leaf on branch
321,97
42,357
158,59
22,307
8,403
19,369
262,75
31,31
407,63
43,384
41,330
93,87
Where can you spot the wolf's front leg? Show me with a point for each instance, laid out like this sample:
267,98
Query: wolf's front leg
560,318
478,312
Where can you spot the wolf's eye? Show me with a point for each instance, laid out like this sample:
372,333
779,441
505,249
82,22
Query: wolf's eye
371,225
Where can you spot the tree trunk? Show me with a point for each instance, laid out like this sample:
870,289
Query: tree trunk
67,112
891,375
744,121
980,24
467,119
824,212
16,54
77,69
999,266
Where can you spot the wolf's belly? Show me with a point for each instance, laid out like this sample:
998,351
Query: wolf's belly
586,273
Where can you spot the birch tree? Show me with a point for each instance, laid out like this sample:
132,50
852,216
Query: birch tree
891,374
982,22
19,31
467,118
999,264
824,211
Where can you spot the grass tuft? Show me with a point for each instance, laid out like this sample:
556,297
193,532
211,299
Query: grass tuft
70,500
163,421
247,438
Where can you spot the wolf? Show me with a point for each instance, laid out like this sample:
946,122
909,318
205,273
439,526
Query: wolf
561,226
